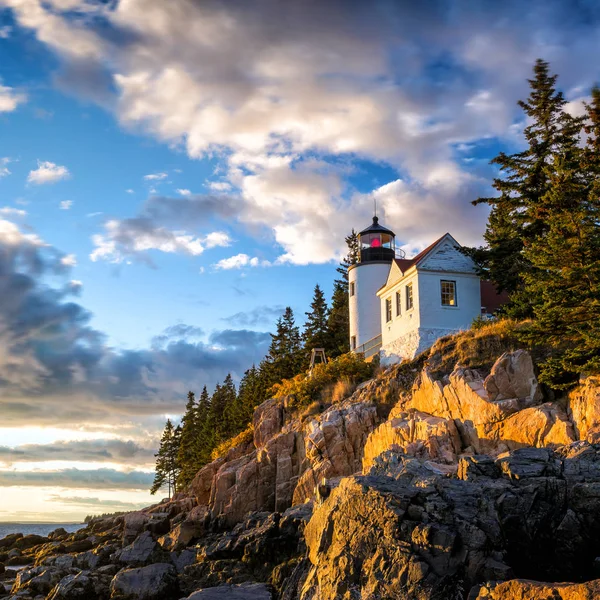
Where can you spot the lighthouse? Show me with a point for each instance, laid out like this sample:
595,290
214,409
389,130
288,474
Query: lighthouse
377,252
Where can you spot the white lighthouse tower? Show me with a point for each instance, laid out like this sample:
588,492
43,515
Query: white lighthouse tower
377,252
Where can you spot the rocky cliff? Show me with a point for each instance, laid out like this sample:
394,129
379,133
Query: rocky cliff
424,484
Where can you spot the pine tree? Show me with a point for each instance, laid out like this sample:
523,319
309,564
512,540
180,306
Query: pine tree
518,216
167,467
316,334
566,260
338,322
187,448
203,443
252,392
284,359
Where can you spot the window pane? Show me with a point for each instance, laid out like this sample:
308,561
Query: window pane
409,296
448,291
352,288
398,304
388,309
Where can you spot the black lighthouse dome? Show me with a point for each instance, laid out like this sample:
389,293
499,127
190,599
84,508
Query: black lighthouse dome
377,243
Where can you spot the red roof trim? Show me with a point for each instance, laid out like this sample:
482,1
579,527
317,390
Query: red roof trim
407,263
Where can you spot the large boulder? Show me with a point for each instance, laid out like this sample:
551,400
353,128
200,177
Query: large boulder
244,591
267,421
73,587
584,409
519,589
154,582
418,434
139,552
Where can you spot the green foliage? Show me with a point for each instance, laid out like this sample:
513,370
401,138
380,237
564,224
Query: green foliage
565,273
316,334
187,447
348,367
167,466
517,216
285,356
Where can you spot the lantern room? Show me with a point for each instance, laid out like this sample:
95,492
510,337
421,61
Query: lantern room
377,243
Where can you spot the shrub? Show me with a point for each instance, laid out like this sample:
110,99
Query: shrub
349,369
244,437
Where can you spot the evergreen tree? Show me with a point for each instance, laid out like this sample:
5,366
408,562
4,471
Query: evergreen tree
251,393
518,216
219,418
565,277
187,448
316,334
284,359
338,322
167,467
204,437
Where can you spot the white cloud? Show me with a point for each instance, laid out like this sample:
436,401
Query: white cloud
8,211
48,172
4,170
5,31
10,99
75,283
65,204
219,186
130,191
217,238
184,192
155,177
11,235
239,261
69,260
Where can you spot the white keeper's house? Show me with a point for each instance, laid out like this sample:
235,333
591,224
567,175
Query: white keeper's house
401,306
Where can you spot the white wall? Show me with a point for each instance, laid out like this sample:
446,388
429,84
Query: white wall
417,329
365,321
409,320
436,316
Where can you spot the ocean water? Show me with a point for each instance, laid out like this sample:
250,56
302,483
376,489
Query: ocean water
37,528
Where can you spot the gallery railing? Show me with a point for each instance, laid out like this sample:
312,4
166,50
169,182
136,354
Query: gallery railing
370,348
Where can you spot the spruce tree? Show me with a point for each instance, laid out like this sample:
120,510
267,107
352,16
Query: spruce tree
203,441
284,359
565,277
167,466
252,392
517,216
316,334
187,448
338,322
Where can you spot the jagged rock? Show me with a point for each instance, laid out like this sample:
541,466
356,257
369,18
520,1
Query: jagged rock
37,580
139,552
471,467
191,528
154,582
519,589
420,534
58,534
513,376
29,541
546,425
584,409
73,587
245,591
267,421
418,434
79,545
133,525
183,559
10,539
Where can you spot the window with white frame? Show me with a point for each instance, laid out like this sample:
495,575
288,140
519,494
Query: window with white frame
388,310
398,304
448,292
409,296
352,288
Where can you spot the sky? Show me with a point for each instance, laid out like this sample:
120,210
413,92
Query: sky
174,174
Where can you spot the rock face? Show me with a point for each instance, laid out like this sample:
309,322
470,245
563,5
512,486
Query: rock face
584,409
154,582
247,591
533,590
419,534
287,462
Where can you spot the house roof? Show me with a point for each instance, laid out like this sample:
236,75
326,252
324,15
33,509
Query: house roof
407,263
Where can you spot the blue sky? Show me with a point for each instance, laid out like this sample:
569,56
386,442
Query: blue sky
172,175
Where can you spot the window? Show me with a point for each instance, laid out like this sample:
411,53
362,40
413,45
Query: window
448,289
353,342
409,296
388,309
398,304
352,288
